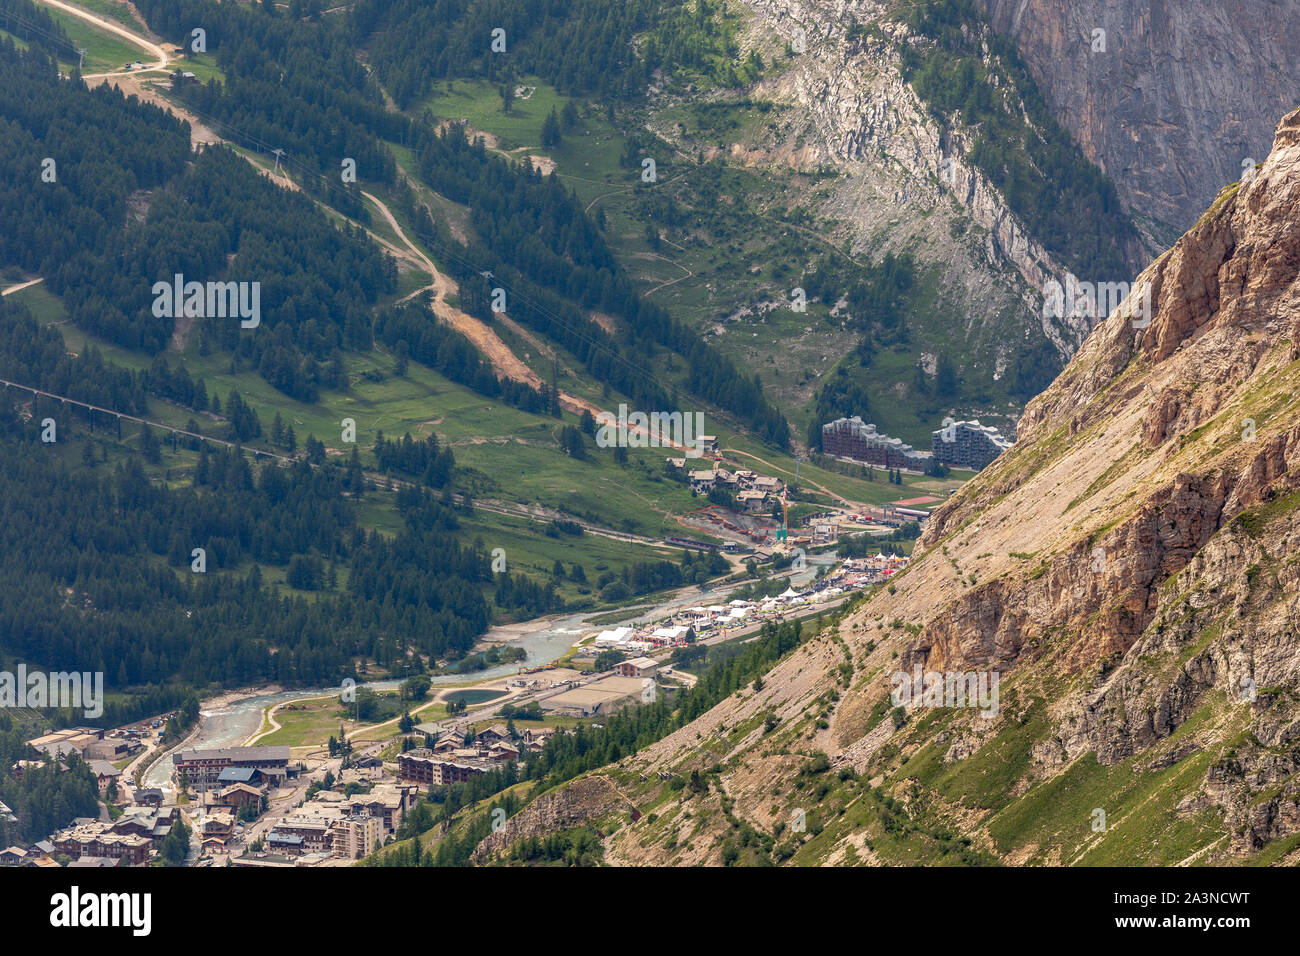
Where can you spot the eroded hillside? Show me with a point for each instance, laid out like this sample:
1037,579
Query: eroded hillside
1130,572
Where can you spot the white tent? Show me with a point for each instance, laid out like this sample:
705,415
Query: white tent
618,635
669,633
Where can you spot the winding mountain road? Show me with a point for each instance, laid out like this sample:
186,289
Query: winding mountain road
483,337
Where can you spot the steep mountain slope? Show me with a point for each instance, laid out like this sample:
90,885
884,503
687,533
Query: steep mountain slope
1128,571
893,130
906,179
1180,95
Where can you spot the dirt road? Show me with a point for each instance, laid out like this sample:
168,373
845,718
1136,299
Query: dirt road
498,354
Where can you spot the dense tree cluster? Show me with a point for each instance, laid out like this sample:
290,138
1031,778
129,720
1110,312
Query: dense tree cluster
213,220
46,797
34,354
112,587
289,85
34,26
422,459
104,149
518,592
579,46
531,230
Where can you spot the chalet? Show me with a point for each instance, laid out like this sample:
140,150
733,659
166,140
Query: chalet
13,856
751,501
637,667
289,843
311,825
387,803
492,735
216,829
239,795
229,776
150,823
502,752
422,766
703,480
448,744
95,839
708,444
148,797
535,738
105,774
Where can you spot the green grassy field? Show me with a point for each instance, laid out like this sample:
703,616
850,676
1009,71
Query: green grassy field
505,452
112,10
478,104
104,51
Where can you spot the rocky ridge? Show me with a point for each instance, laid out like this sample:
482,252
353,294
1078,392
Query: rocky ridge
1129,570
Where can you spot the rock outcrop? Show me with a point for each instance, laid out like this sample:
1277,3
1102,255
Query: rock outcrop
906,179
1172,100
1129,571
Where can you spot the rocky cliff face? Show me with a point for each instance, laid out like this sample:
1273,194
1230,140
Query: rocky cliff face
1179,97
1129,572
904,185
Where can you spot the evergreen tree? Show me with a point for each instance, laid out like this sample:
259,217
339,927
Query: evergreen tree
551,130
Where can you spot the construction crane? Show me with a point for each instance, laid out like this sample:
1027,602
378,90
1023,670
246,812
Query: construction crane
784,533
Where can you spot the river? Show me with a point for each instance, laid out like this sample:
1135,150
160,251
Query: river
543,639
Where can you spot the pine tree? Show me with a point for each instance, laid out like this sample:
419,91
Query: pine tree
356,478
149,446
202,471
551,130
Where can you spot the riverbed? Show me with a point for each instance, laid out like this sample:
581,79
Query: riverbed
543,640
